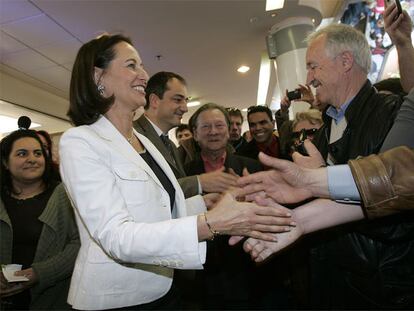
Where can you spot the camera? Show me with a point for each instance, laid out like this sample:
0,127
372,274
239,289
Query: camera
301,146
296,94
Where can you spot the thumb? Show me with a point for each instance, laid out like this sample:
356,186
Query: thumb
311,148
232,172
273,162
245,172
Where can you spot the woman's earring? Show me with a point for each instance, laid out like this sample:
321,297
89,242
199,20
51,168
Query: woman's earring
101,89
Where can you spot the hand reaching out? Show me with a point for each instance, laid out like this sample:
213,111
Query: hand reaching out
260,250
285,183
314,160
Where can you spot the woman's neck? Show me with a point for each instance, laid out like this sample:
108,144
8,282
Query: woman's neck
27,190
122,120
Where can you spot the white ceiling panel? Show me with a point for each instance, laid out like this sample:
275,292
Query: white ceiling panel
61,52
37,31
27,61
9,45
56,76
12,10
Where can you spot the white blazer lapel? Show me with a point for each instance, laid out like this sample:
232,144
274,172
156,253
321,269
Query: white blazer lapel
105,129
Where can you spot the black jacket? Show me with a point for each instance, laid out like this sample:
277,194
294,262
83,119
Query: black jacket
369,264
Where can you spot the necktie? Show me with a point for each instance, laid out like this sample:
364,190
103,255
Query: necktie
167,144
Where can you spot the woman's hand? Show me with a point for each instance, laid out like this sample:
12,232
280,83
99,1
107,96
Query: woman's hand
248,219
10,289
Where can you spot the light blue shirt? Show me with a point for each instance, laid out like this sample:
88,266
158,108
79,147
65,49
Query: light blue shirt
341,183
338,114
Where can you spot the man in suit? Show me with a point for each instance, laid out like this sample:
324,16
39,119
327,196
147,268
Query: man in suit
166,96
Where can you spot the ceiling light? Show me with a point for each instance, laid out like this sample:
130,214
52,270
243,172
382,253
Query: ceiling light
243,69
9,124
274,4
193,103
244,110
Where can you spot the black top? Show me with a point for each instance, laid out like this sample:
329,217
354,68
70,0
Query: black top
165,181
26,226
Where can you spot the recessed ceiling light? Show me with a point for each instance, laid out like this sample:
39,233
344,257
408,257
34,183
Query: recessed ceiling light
243,69
193,103
274,4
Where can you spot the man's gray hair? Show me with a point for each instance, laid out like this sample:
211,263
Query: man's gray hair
341,38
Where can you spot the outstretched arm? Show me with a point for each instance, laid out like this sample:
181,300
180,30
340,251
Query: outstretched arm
313,216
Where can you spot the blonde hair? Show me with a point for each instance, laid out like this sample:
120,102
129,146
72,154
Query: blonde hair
313,116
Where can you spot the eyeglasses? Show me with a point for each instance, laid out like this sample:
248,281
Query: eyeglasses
303,134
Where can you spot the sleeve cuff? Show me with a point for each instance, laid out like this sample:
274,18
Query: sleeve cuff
342,185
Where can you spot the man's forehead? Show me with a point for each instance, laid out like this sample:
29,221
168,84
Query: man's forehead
176,85
258,116
316,47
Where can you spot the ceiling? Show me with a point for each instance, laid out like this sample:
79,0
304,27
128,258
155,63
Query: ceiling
203,40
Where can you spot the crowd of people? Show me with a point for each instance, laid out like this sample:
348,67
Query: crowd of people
317,215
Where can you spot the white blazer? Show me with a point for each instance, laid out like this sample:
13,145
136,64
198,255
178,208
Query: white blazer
129,242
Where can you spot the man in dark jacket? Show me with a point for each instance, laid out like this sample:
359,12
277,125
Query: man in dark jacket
369,264
261,125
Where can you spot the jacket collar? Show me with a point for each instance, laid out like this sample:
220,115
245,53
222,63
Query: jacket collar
107,131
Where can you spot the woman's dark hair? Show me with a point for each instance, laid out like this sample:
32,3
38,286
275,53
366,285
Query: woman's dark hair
46,136
86,103
209,106
6,146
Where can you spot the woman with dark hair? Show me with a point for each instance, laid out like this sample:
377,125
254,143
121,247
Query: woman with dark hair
135,225
37,226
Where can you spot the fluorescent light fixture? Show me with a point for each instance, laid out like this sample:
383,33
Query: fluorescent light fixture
244,110
193,103
243,69
264,78
274,4
9,124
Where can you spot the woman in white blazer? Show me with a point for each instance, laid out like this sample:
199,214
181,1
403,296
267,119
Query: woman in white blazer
134,223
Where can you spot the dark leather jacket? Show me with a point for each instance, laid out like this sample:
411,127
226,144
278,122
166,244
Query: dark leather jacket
385,181
369,264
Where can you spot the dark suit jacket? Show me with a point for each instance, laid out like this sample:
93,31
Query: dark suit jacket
225,281
189,184
233,161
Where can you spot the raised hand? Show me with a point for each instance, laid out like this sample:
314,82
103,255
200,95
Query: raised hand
286,183
314,160
398,28
249,219
218,181
307,94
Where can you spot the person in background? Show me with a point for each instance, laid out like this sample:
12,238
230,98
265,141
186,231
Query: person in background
182,132
48,146
37,226
135,225
247,136
166,96
261,125
236,122
224,283
305,123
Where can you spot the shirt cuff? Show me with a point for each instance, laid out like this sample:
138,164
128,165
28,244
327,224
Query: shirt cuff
200,189
341,184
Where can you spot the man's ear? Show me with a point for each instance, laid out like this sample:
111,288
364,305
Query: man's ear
154,101
98,73
347,60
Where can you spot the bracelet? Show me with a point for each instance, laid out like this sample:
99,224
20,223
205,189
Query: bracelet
213,232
